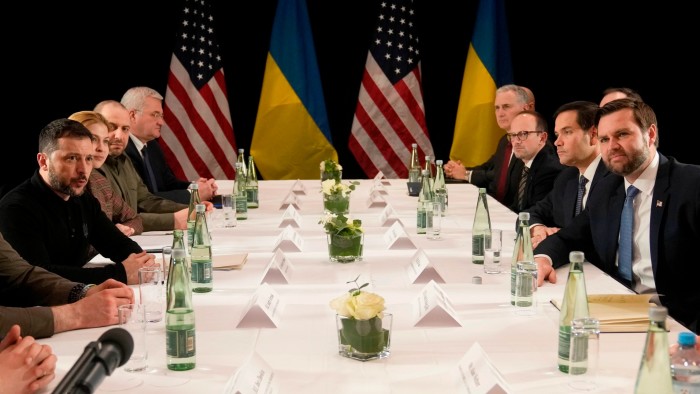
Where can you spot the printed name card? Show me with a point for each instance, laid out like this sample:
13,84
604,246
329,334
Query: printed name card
376,200
290,217
381,179
478,375
420,270
290,199
255,376
388,216
432,308
396,238
263,309
278,270
298,187
378,187
289,241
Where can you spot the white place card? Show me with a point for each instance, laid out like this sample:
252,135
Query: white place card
420,270
278,270
378,187
289,241
290,199
290,217
478,375
388,216
432,308
263,310
376,200
380,178
255,376
298,187
397,238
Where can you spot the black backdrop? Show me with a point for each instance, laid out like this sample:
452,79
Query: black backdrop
67,56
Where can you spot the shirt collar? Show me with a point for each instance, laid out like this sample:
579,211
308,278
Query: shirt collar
592,168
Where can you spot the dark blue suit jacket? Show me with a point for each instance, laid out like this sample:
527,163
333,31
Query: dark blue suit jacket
674,235
557,209
543,171
169,186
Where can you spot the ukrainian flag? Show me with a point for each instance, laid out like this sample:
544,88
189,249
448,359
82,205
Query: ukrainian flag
488,67
292,134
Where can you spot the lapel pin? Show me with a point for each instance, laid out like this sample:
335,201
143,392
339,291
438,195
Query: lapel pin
659,203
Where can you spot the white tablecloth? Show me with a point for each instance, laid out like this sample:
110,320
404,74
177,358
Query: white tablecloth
303,351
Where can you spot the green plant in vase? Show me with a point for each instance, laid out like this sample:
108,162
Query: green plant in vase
345,237
336,195
330,169
364,329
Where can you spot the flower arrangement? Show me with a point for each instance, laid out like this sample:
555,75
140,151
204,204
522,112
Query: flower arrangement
330,169
359,304
341,225
333,187
364,329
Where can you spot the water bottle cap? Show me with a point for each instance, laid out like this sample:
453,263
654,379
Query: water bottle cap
414,145
178,253
241,150
194,186
657,313
524,216
576,257
438,162
200,208
686,338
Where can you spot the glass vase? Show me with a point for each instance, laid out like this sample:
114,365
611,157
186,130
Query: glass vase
345,248
364,340
338,204
337,175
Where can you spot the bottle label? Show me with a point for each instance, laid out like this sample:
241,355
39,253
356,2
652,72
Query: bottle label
180,341
252,193
201,271
478,243
190,232
563,349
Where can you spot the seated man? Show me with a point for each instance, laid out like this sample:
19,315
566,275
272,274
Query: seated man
145,107
578,148
643,226
493,174
51,222
158,213
43,303
538,163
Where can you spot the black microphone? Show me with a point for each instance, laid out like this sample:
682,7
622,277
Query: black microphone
99,359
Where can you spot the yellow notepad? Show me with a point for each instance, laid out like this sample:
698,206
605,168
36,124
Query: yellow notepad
618,312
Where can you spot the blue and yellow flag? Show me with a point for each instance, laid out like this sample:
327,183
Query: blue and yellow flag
292,134
488,67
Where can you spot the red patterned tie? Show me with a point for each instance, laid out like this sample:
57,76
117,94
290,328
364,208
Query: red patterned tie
501,187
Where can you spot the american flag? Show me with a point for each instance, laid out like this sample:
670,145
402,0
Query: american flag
197,138
390,116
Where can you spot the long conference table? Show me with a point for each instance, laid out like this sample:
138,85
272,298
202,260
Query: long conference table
299,344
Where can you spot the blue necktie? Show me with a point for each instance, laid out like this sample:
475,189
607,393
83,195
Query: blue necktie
581,192
624,260
149,170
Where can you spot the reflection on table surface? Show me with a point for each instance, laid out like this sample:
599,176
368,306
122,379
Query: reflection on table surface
302,350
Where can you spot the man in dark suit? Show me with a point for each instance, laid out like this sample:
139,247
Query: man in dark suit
509,101
145,107
665,215
539,164
578,149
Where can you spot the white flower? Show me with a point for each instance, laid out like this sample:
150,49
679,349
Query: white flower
330,186
360,305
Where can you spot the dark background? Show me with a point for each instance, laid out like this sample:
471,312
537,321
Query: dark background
62,57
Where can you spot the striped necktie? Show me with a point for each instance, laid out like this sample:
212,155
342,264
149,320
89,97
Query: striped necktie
581,192
522,186
624,257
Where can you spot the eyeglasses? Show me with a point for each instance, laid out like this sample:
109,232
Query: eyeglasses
521,135
155,114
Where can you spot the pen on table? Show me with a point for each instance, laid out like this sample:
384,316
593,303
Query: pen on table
156,250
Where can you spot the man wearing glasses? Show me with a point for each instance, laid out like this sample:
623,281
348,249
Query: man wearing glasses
540,164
